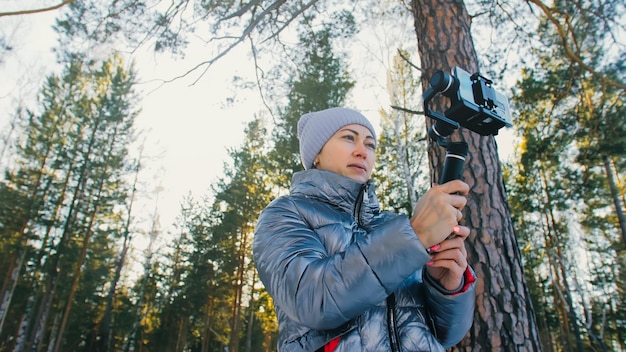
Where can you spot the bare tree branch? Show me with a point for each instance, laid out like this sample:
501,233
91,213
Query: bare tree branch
414,112
30,12
259,84
562,32
293,17
245,34
408,61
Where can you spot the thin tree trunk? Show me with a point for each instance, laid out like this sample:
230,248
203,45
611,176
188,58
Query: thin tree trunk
52,281
551,242
618,201
104,326
14,270
53,333
43,294
543,325
236,309
181,337
90,228
73,289
129,344
77,272
504,319
22,331
206,333
69,223
24,340
251,308
565,295
16,261
561,285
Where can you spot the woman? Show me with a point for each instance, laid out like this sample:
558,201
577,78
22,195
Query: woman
345,276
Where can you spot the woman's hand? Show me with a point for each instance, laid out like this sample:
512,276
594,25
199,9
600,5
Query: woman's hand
438,211
448,259
435,220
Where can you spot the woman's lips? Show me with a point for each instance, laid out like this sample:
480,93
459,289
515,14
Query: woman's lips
358,166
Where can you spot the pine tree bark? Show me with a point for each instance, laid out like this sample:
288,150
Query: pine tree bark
504,319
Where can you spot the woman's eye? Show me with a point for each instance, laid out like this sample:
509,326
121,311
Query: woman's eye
349,137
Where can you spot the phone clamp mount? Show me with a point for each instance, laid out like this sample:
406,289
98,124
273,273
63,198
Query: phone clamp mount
474,104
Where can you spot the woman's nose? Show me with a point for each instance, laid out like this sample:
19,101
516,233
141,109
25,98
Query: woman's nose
360,150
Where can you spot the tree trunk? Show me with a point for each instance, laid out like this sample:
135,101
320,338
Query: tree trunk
236,309
78,266
54,268
560,279
16,261
44,292
53,333
129,343
617,197
104,325
73,289
181,336
251,309
504,319
9,284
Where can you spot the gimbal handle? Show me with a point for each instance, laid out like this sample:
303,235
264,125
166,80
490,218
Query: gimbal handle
456,152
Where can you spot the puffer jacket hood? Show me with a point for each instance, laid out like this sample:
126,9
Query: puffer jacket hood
336,266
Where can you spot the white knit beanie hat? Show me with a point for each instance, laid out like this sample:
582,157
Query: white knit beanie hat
316,128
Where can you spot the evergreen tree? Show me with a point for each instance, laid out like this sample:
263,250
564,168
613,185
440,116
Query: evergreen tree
571,139
212,288
240,196
70,175
320,81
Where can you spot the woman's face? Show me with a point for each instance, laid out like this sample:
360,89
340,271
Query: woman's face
349,152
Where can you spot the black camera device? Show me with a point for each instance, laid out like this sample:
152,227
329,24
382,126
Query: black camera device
474,103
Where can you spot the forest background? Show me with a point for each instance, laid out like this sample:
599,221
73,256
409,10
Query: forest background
90,265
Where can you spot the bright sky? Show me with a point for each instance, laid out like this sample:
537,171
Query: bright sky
184,124
187,124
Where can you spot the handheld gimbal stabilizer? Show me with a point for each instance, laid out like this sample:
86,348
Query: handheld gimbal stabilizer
474,104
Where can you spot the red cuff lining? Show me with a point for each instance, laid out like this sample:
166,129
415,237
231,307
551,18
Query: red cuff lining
469,279
330,347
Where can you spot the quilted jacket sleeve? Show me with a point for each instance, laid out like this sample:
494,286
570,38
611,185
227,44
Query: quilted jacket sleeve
323,291
452,314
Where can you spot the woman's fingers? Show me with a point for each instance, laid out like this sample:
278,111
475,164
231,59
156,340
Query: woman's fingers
461,231
455,187
455,264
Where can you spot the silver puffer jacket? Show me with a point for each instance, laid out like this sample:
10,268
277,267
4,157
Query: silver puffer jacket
336,265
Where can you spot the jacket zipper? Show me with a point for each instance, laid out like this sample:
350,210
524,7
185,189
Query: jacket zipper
392,329
359,204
